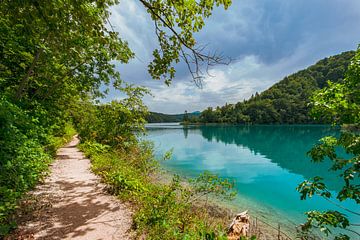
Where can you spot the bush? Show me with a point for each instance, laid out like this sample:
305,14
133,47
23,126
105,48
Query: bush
25,153
163,211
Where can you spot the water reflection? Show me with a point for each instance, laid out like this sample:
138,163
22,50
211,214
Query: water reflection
284,145
267,163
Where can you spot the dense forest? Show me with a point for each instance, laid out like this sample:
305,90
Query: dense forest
154,117
286,102
57,59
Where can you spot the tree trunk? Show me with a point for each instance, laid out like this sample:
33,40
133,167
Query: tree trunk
25,80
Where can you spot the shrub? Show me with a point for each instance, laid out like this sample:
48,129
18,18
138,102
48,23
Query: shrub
163,211
25,153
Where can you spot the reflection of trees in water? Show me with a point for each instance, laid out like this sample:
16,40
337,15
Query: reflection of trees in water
164,130
160,131
285,145
186,132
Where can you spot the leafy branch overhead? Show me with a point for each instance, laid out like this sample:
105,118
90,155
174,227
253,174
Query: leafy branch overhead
339,102
58,50
175,23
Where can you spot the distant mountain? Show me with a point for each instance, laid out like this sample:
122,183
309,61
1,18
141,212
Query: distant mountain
155,117
286,102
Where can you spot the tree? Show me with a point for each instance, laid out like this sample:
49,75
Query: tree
51,49
287,101
175,23
186,116
54,57
339,102
208,115
55,52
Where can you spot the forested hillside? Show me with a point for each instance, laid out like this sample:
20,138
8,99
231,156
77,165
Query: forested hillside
287,101
154,117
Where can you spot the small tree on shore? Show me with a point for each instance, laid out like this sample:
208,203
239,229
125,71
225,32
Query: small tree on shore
186,116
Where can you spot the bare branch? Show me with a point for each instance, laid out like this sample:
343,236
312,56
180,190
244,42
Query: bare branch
194,57
340,206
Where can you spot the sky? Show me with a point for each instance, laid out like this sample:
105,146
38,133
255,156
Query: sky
267,40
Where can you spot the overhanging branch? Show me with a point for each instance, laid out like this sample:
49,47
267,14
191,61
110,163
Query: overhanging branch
194,57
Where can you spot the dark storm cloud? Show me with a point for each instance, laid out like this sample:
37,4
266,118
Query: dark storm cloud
274,29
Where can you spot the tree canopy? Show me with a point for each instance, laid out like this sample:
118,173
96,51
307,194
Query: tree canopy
55,56
286,102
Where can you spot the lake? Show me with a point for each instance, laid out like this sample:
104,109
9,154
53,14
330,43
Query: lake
267,162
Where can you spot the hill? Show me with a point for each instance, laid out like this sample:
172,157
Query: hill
154,117
286,102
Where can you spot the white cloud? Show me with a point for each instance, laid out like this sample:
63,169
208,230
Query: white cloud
134,24
174,94
269,40
227,84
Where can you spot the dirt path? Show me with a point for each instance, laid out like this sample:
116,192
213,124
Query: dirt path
73,204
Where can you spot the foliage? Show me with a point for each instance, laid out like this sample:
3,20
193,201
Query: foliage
56,60
208,183
175,25
116,123
51,55
186,117
286,102
64,136
163,210
339,102
26,150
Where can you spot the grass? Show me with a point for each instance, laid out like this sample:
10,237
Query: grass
162,210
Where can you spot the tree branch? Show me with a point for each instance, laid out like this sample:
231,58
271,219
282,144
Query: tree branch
340,206
197,57
25,80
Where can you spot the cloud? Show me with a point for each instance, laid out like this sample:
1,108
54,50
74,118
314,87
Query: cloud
268,39
135,26
224,85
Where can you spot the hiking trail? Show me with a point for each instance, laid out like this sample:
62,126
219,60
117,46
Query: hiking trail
72,204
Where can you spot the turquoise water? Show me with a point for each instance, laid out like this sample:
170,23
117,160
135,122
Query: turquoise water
266,162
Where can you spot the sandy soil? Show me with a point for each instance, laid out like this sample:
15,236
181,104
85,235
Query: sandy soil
72,204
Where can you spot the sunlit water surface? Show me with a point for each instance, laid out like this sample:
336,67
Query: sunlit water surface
266,162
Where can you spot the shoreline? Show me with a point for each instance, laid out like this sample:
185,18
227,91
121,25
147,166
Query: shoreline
227,209
191,158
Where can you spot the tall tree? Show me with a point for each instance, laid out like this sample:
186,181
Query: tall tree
186,116
55,49
55,55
